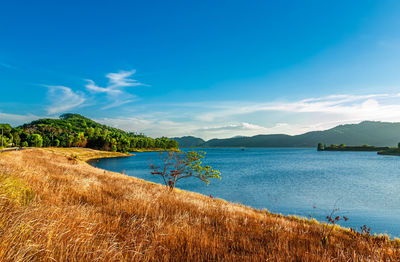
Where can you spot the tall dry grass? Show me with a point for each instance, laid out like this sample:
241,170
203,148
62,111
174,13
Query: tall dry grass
55,208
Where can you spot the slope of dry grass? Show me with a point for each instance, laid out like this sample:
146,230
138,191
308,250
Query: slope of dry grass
56,208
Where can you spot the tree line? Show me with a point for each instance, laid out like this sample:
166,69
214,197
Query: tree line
73,130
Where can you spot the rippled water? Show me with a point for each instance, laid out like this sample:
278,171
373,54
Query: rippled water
363,185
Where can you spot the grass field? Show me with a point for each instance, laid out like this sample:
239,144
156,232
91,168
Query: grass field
56,207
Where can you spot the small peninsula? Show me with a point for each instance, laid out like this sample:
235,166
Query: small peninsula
394,151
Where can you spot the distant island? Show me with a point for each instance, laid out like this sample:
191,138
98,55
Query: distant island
390,152
381,150
343,147
382,134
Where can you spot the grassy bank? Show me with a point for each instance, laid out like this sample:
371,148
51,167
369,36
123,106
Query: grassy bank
54,207
84,154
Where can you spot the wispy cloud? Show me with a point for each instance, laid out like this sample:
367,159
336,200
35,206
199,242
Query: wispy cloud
63,99
122,79
239,128
117,102
116,81
6,65
114,90
225,119
16,119
362,105
133,124
91,86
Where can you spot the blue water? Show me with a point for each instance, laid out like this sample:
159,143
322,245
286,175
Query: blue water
363,185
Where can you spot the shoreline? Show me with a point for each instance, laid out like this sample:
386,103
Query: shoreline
84,154
155,150
93,205
288,215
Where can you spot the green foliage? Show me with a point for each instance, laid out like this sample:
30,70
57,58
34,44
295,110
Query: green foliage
320,147
179,165
196,168
36,140
73,130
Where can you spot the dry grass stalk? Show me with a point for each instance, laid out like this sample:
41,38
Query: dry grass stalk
68,210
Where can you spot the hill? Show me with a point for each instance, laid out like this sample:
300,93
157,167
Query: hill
189,141
74,130
54,208
364,133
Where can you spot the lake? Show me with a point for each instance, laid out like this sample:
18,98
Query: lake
297,181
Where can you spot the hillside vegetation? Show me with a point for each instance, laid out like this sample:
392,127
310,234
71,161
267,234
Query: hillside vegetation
73,130
54,207
189,141
364,133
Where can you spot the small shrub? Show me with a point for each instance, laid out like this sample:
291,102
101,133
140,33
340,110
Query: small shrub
73,157
365,230
179,165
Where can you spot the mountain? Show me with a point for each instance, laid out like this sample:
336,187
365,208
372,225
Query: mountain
367,132
189,141
74,130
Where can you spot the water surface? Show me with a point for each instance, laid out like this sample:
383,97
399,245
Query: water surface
363,185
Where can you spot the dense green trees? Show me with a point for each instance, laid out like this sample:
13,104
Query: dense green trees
36,140
73,130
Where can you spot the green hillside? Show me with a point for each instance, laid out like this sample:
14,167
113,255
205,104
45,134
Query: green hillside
73,130
189,141
367,132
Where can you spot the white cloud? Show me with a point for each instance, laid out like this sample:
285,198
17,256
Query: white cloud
116,95
122,79
91,86
155,127
6,65
116,81
118,103
235,126
63,99
130,124
225,119
15,119
241,129
350,106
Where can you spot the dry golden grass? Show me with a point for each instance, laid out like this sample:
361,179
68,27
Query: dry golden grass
56,208
84,154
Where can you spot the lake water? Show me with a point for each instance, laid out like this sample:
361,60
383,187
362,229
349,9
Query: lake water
363,185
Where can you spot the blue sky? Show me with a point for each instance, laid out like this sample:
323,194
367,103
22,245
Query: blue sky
202,68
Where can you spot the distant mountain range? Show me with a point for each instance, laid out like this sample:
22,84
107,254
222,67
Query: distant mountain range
364,133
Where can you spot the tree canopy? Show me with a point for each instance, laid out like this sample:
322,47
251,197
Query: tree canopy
74,130
178,165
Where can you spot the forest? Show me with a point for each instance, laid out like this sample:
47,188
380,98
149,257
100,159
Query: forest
74,130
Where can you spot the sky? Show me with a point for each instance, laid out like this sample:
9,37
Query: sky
211,69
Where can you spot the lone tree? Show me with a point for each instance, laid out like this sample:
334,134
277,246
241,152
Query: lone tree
320,147
178,165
